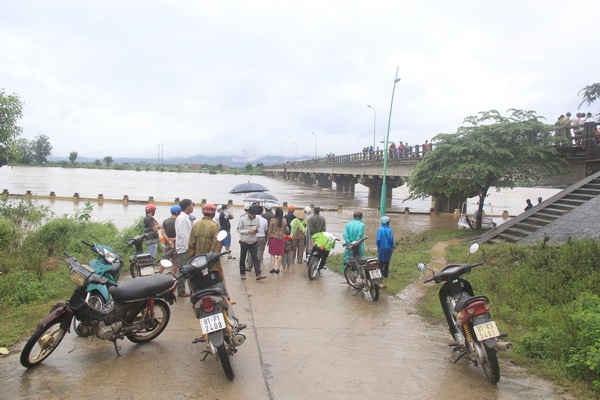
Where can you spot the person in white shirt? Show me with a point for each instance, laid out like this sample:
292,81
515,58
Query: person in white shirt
183,228
261,235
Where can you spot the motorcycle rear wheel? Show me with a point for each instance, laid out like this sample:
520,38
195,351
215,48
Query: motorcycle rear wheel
488,361
47,338
155,326
351,276
225,362
313,267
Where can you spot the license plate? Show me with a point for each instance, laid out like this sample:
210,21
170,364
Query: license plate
375,273
486,330
212,323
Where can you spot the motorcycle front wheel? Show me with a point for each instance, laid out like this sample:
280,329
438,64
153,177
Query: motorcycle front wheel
155,321
352,276
488,361
373,290
43,342
225,362
313,267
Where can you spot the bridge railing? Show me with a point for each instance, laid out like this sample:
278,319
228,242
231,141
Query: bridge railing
408,153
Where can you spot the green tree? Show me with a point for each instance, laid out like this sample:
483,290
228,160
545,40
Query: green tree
590,94
489,150
98,162
249,167
73,157
23,151
108,160
11,111
41,148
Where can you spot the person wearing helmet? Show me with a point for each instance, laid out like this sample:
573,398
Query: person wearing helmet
289,217
151,227
314,224
354,230
385,245
203,237
168,232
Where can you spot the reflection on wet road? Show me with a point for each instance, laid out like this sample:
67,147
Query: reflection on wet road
306,340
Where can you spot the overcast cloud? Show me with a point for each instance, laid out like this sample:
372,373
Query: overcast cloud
258,77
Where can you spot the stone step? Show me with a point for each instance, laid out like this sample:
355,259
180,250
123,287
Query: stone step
593,185
513,231
559,206
549,211
546,217
578,196
574,203
585,191
509,238
536,221
526,226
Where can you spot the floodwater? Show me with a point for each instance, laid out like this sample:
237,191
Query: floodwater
166,186
305,340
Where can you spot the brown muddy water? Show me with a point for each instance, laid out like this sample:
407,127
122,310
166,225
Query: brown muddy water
306,340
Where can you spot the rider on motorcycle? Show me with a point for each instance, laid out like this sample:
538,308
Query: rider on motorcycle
354,230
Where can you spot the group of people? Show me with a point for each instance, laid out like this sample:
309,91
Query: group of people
287,237
402,150
573,127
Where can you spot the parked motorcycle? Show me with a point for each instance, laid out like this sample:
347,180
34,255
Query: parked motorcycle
468,317
362,273
137,309
108,265
324,242
141,261
219,326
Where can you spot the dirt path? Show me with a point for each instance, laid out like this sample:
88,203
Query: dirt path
306,340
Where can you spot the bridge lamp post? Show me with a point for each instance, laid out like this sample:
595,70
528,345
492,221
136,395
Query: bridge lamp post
315,135
382,201
374,120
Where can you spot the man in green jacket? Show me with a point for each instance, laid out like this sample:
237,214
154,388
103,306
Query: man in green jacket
354,230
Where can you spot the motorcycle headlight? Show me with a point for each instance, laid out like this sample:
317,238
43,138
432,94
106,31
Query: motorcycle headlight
199,261
109,257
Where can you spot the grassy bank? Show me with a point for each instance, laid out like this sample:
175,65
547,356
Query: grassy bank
33,274
547,298
409,250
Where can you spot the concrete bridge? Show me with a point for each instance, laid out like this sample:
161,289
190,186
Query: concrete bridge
367,168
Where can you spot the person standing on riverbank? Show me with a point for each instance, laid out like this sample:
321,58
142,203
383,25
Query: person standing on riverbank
247,228
168,227
298,233
261,235
151,227
275,240
354,230
385,245
183,228
224,224
314,224
289,217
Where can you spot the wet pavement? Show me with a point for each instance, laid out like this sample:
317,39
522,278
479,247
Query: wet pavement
306,340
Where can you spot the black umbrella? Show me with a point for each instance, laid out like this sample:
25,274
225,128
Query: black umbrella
261,198
248,187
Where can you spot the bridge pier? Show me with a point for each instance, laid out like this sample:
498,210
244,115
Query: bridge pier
324,181
374,184
344,184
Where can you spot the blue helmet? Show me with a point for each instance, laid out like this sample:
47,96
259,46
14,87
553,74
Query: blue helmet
385,220
175,209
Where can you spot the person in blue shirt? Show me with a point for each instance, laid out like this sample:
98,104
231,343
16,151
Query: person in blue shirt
354,230
385,245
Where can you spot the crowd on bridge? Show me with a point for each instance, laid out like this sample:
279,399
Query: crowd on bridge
582,130
399,151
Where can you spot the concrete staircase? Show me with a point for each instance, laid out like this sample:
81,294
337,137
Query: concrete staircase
545,213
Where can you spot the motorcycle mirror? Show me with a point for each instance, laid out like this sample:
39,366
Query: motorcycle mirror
166,263
474,247
422,267
221,235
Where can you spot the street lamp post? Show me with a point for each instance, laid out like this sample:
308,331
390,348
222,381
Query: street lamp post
374,120
315,135
382,201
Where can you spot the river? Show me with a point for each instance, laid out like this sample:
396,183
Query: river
166,186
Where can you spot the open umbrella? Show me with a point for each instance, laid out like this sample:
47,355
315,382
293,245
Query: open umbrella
248,187
261,198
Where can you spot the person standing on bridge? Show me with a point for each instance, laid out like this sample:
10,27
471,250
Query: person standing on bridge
354,230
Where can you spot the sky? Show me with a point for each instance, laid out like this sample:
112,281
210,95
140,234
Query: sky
255,78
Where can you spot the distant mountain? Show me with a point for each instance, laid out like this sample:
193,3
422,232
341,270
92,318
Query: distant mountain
232,161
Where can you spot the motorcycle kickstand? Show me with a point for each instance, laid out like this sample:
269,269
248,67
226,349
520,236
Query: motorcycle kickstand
117,347
205,354
461,355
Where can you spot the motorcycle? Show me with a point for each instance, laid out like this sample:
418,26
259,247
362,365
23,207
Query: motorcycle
108,265
218,324
362,273
140,261
324,242
468,318
137,309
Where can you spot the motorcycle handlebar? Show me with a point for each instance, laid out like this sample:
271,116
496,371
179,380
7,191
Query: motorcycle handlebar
477,264
88,244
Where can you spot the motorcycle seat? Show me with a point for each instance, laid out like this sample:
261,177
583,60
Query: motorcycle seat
462,303
142,287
